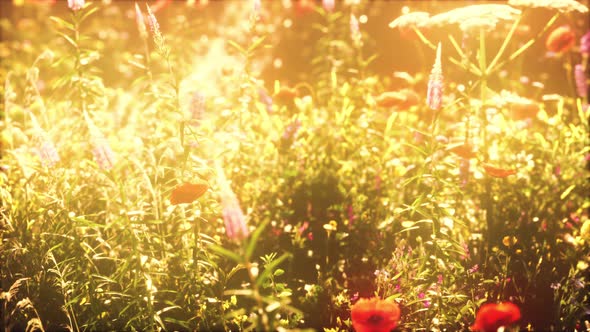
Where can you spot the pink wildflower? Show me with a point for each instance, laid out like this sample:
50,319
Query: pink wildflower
435,83
153,22
585,44
355,32
76,5
328,5
140,22
256,8
581,80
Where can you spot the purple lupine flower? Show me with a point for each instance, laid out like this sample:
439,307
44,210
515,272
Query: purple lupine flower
581,80
233,216
153,22
256,7
291,129
585,44
102,152
139,19
328,5
197,106
45,148
464,172
355,32
75,5
47,151
265,99
435,83
350,214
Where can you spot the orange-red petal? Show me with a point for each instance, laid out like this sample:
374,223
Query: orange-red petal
498,172
403,99
464,151
188,192
374,315
491,316
286,93
523,110
561,40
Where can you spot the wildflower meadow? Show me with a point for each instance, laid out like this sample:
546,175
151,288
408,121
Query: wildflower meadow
294,165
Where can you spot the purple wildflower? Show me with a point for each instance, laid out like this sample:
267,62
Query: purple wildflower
328,5
153,22
140,22
355,32
47,151
103,154
291,129
581,81
585,43
435,83
265,99
76,5
45,148
350,214
256,7
197,106
464,172
101,150
233,216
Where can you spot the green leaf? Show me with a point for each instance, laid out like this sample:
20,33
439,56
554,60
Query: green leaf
270,267
68,39
252,242
567,191
256,44
236,46
62,23
221,251
88,13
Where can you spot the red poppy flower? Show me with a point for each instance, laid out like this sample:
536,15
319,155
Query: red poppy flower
374,315
304,7
561,40
523,110
286,93
498,172
403,99
188,192
491,316
463,150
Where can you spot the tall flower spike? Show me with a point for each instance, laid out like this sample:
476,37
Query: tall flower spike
328,5
581,80
155,29
140,22
435,83
355,32
101,150
45,148
76,5
256,7
152,21
233,216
